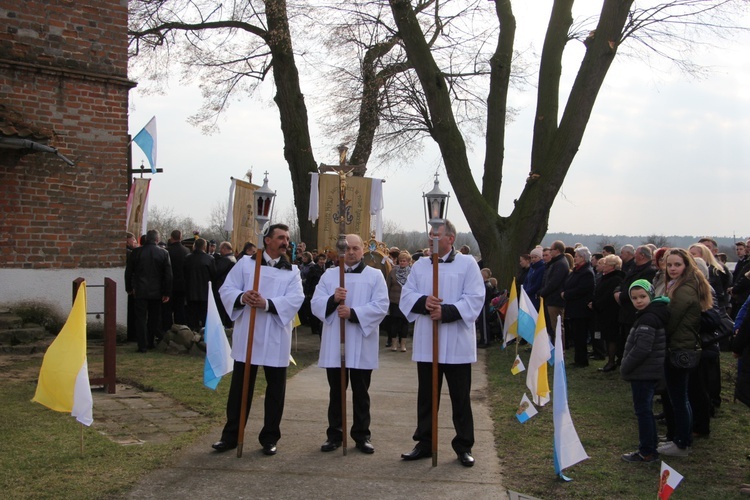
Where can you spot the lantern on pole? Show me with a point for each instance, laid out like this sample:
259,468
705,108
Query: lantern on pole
436,206
264,201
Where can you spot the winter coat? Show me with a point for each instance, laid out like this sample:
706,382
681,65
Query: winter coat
606,308
533,282
148,273
741,346
199,269
685,320
177,254
579,291
646,346
554,279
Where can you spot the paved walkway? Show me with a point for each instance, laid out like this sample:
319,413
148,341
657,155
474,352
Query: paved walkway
301,470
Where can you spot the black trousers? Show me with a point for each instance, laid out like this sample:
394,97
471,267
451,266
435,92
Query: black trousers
578,329
360,381
147,321
459,387
273,404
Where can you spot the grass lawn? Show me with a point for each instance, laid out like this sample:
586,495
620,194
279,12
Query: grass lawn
601,408
41,450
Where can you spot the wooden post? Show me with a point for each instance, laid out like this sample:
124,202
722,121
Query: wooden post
435,353
248,356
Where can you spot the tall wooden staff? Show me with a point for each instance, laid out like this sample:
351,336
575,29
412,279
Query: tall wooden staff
436,205
263,198
341,247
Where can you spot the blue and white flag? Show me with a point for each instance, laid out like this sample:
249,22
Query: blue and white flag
527,317
146,140
525,410
218,353
568,449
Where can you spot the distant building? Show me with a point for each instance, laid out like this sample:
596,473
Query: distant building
63,98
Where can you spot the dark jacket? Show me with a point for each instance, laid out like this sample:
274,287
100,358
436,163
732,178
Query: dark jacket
224,264
554,279
177,253
741,346
313,277
606,309
579,291
200,268
533,282
148,273
646,346
627,311
685,320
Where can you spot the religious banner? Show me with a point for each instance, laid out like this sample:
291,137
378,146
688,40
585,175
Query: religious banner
137,212
356,212
243,215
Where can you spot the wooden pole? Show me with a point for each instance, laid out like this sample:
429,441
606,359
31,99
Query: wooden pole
342,329
248,357
435,374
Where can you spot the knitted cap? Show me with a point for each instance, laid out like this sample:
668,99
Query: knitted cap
645,284
537,251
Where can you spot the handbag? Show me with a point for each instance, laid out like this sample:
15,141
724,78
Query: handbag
685,359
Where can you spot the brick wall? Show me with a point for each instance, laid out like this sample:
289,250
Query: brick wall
63,66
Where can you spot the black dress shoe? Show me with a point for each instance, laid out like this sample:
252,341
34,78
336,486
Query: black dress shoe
269,449
330,445
366,447
142,350
466,459
223,446
607,368
416,454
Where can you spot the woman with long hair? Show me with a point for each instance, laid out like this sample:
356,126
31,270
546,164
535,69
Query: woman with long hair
689,294
716,273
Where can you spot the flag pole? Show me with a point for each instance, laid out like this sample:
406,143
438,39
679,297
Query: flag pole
81,425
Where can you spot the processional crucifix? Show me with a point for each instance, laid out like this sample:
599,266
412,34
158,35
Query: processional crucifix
343,170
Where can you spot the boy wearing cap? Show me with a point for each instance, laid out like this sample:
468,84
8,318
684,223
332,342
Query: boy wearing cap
643,363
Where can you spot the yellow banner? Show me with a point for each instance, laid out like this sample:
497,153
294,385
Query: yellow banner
243,213
356,215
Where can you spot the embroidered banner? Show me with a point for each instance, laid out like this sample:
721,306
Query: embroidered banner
243,215
356,212
137,213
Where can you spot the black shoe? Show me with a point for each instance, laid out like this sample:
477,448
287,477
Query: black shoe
330,445
223,446
366,447
142,350
466,459
607,368
416,454
388,343
269,449
483,345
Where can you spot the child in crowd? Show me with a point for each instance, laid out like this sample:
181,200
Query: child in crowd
643,364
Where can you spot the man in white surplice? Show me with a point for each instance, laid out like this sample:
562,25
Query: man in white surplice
363,303
277,300
459,302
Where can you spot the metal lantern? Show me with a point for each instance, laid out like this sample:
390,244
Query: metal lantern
264,201
436,206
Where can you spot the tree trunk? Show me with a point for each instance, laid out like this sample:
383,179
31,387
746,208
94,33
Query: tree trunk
293,114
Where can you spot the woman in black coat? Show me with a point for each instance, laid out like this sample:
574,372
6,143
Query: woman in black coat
605,307
578,291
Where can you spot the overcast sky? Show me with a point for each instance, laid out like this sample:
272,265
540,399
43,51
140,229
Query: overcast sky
663,153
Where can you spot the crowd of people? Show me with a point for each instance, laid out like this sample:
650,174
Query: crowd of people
660,315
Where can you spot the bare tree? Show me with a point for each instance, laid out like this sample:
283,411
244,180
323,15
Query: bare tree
657,239
433,70
559,127
164,220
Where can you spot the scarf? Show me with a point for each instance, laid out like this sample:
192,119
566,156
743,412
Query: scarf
401,274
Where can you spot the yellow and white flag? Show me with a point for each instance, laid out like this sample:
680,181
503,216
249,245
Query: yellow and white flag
64,377
536,378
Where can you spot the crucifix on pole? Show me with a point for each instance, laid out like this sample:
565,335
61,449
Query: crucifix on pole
343,170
